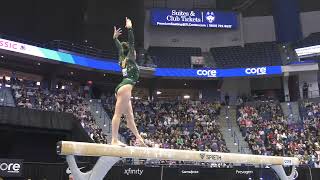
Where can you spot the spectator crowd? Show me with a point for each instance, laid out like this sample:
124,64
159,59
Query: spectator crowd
188,125
28,94
182,124
268,132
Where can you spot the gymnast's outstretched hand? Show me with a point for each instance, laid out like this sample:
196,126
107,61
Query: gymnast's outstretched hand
117,32
128,23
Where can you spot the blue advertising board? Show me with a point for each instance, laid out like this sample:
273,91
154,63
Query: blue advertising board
218,73
194,18
111,65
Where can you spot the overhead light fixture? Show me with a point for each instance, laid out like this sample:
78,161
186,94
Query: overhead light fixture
38,64
71,72
159,92
38,83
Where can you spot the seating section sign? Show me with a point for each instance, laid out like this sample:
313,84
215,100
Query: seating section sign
194,18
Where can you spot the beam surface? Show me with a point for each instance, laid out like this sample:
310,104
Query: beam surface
92,149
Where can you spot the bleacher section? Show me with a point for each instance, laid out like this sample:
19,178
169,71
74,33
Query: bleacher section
251,55
312,40
175,57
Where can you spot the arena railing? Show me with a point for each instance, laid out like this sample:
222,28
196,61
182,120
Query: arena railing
236,140
3,97
68,47
311,94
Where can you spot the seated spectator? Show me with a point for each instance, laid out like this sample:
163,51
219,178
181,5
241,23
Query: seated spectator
28,95
176,124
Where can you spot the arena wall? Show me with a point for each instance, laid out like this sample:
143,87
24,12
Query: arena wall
308,22
235,87
258,29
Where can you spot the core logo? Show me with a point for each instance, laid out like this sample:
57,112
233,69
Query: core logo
10,167
256,71
130,171
207,73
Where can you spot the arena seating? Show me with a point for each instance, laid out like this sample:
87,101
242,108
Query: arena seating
176,124
175,57
28,95
312,40
268,132
251,55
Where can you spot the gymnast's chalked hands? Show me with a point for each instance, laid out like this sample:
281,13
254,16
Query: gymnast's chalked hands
117,32
128,23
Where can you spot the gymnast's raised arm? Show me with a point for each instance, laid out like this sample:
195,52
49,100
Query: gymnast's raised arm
130,38
116,34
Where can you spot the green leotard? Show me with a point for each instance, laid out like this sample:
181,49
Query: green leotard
130,69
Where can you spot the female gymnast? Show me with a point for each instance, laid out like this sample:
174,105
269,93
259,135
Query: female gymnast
130,72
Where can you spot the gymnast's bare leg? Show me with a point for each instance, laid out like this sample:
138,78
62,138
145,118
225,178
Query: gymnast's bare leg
132,125
123,97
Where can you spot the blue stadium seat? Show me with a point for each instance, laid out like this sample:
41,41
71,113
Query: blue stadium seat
176,57
252,54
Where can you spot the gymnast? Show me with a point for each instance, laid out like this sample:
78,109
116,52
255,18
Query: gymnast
130,72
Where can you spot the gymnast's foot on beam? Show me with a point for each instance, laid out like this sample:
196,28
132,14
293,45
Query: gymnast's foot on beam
118,143
140,142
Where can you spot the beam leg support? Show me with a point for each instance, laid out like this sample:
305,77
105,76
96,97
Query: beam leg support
282,174
100,169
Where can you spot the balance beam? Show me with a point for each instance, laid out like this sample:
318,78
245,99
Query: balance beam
70,148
